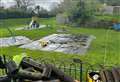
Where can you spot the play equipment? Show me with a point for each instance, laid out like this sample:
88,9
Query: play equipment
116,26
33,23
93,77
43,43
105,75
116,23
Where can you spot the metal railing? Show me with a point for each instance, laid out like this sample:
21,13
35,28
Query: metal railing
72,67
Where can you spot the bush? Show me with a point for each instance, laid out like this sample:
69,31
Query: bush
16,13
98,24
4,14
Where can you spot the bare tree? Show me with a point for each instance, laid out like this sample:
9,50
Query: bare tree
27,3
24,4
1,6
18,3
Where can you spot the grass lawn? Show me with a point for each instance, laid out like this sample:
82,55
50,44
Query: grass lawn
105,46
109,17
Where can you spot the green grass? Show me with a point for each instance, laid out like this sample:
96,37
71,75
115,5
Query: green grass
15,23
109,17
107,42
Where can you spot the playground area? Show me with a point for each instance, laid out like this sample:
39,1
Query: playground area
67,43
59,41
104,41
14,41
73,53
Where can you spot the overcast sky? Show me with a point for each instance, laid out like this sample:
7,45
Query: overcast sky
44,3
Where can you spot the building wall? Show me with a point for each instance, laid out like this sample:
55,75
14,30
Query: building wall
116,10
111,10
108,10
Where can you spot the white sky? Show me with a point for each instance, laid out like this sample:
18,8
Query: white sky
44,3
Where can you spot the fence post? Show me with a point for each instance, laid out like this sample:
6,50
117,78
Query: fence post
4,58
81,67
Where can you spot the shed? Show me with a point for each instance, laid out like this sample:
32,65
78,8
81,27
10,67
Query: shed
111,10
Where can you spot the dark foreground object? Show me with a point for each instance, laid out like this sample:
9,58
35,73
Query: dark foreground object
48,71
5,79
110,75
32,71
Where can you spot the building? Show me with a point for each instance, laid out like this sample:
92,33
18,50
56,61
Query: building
111,10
